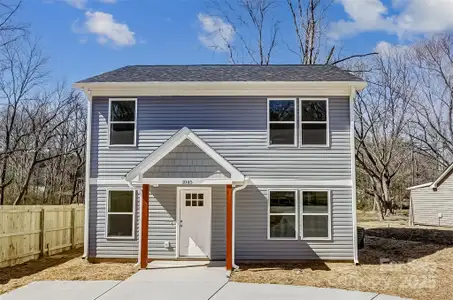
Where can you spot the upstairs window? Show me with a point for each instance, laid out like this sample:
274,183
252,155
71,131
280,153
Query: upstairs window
282,122
122,122
314,127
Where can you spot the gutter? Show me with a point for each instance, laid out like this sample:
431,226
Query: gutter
87,175
235,190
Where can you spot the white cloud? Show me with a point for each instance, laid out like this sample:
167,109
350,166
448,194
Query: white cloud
80,4
108,1
217,34
107,29
413,17
387,49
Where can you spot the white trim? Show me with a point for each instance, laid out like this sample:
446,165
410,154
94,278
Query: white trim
281,122
87,176
255,181
179,189
172,143
222,88
442,176
353,174
327,122
298,182
109,121
419,186
328,214
295,214
134,213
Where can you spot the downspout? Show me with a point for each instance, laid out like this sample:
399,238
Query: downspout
233,251
139,252
87,174
353,176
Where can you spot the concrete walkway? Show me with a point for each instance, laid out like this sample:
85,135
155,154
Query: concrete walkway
193,283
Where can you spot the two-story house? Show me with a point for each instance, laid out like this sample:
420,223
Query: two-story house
221,162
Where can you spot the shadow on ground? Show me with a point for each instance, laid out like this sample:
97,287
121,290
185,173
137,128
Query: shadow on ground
401,245
34,266
283,265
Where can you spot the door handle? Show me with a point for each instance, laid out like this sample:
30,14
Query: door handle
180,223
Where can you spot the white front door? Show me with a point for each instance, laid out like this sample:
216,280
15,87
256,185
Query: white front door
194,222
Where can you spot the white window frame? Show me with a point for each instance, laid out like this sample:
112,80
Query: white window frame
296,214
109,122
281,122
107,213
327,122
328,214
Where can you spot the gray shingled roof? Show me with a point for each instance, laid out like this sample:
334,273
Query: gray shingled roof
142,73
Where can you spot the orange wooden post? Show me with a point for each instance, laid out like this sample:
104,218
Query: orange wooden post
144,234
229,227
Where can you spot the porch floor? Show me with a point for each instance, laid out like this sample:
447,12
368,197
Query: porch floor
170,264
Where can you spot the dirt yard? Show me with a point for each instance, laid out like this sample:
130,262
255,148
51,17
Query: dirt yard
412,262
65,266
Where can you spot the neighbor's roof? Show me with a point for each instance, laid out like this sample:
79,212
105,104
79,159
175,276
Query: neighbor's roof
437,182
213,73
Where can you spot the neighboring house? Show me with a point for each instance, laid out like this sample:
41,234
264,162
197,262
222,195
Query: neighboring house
221,162
432,203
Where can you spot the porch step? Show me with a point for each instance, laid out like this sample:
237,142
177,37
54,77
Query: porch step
168,264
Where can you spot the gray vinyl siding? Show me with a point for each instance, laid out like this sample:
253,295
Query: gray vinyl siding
236,127
162,222
427,204
99,245
252,227
187,161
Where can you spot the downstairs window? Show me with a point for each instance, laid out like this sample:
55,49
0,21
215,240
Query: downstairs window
120,214
282,215
315,215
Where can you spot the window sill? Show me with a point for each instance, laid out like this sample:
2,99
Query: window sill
282,239
122,146
282,146
326,239
117,238
314,146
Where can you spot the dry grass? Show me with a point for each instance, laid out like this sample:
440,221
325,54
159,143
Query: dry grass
65,266
420,264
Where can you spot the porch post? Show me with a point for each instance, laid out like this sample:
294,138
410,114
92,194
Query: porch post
144,234
229,227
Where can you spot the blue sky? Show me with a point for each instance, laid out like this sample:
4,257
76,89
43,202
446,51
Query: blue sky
87,37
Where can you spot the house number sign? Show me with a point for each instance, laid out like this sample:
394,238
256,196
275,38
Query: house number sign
186,181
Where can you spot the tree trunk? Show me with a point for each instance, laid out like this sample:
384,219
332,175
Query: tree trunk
380,211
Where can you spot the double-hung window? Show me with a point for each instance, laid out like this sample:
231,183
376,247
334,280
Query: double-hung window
282,122
282,215
120,214
314,127
122,122
315,215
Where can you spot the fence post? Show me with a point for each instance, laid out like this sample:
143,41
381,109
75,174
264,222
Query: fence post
72,227
43,232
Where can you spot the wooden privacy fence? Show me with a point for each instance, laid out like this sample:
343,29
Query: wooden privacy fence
30,231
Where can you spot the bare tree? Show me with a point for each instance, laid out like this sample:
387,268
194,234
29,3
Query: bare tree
383,113
47,118
22,71
253,25
432,126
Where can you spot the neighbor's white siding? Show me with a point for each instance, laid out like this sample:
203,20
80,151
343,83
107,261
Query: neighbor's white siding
427,204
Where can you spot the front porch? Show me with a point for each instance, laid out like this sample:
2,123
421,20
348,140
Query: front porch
186,203
177,230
